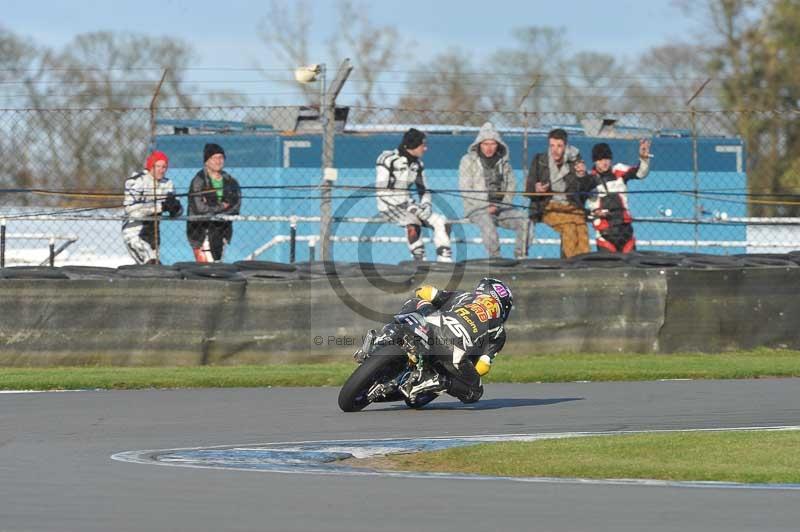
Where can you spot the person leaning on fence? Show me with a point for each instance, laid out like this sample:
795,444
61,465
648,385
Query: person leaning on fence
212,191
396,171
487,185
559,178
147,194
608,203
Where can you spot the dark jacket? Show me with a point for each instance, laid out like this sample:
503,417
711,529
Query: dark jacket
576,191
203,201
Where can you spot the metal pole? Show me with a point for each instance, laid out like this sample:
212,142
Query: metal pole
2,243
697,208
696,182
327,162
52,252
153,109
328,117
292,239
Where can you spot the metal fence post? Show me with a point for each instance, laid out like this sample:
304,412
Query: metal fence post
2,243
328,116
292,239
696,176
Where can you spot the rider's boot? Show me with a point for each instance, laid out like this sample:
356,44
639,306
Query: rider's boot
430,383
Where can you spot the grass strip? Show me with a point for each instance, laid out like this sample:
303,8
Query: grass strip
533,368
756,457
628,367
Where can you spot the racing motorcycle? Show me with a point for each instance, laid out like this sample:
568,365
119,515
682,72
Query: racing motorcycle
390,364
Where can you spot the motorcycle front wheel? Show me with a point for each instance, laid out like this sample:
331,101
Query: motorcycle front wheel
383,365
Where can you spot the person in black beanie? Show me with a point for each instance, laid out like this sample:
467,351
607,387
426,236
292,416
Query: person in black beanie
212,191
396,172
608,203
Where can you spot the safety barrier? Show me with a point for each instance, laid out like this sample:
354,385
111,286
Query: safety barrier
261,312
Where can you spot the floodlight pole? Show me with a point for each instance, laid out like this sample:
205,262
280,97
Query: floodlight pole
328,121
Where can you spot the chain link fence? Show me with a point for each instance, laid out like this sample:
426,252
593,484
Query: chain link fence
720,182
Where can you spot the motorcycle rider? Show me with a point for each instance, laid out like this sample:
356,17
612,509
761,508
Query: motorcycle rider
465,331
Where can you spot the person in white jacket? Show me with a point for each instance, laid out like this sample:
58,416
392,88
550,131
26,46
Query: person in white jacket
488,185
396,172
147,194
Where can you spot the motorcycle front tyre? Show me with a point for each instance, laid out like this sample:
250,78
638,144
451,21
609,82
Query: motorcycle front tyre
382,365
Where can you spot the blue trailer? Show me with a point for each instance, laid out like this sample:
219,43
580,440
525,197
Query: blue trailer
268,163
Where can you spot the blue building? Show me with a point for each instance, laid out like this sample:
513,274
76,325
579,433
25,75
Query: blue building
269,162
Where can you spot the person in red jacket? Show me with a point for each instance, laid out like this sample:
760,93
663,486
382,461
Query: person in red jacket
608,203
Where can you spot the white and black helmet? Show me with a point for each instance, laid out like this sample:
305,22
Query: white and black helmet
498,290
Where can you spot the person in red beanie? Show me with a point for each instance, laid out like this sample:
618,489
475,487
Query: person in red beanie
148,193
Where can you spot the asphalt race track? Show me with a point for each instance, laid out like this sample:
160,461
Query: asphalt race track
57,472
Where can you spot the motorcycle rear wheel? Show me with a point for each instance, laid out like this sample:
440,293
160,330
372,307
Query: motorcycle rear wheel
381,366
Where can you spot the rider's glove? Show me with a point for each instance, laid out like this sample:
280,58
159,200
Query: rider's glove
171,205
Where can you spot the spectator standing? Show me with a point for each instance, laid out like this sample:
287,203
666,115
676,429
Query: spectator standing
212,191
147,194
559,176
488,185
396,172
609,201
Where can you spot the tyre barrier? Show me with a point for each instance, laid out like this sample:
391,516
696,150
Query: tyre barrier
264,265
90,272
700,261
493,262
598,260
777,260
216,271
148,271
429,267
266,271
32,272
277,271
644,259
544,264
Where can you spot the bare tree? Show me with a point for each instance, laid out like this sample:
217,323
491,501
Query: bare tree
21,71
591,84
285,31
370,46
450,84
537,60
666,77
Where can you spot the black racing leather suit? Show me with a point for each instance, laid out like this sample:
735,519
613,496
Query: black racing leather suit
464,326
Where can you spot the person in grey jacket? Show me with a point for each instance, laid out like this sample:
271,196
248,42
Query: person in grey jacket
487,186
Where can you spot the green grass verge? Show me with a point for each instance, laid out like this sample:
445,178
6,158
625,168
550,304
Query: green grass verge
534,368
82,378
748,457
